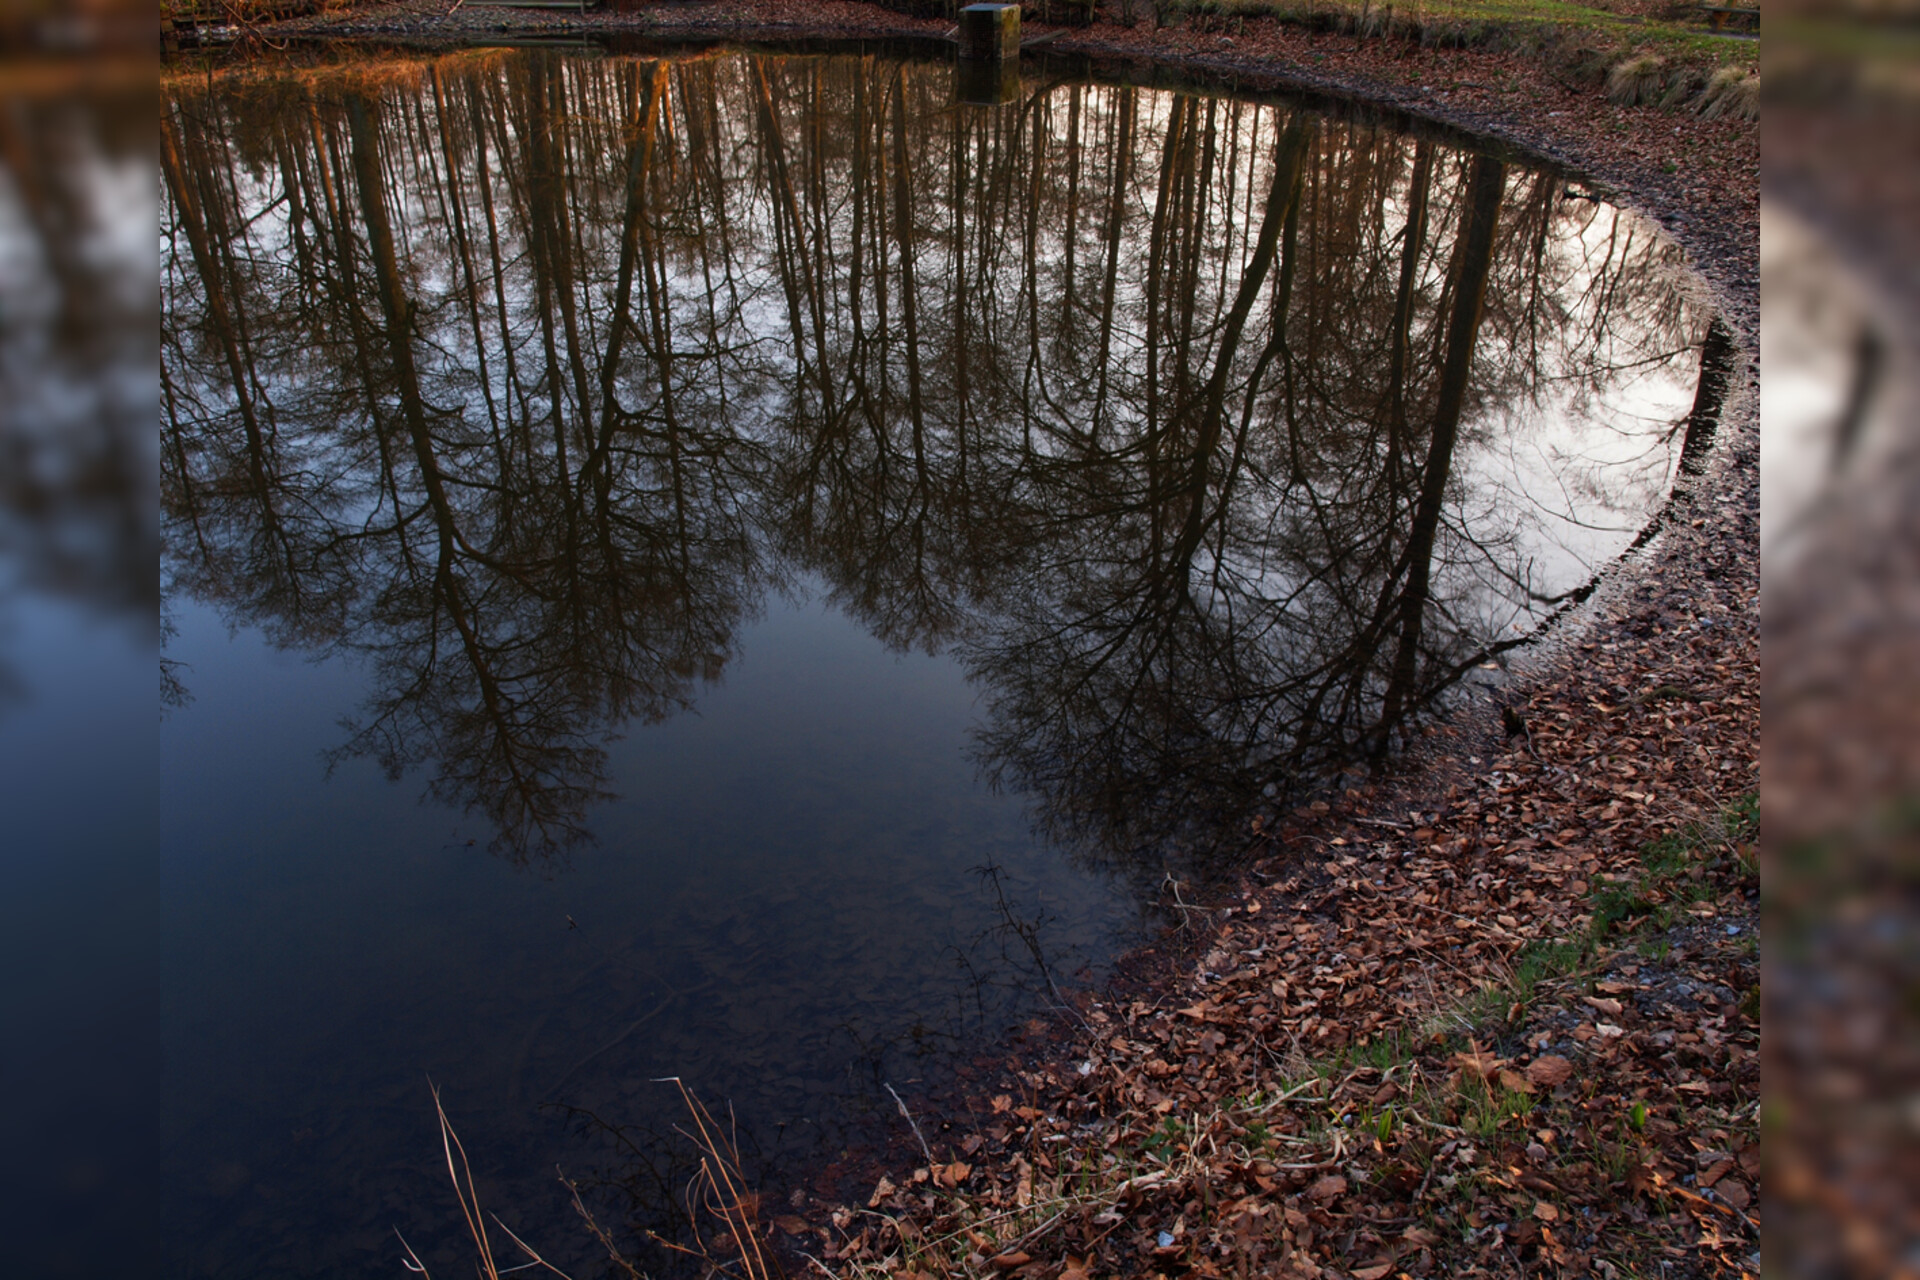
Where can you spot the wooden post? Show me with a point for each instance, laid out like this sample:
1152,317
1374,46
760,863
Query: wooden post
990,31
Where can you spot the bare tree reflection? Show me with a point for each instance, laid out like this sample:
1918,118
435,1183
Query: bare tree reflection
1215,438
524,579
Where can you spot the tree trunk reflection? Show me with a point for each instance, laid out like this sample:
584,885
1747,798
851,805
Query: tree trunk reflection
1212,437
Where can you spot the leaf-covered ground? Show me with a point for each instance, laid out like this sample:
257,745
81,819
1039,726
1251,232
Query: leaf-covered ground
1499,1020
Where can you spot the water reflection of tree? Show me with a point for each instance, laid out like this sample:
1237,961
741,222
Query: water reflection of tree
521,376
524,579
76,355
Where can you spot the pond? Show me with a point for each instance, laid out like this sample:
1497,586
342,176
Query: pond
758,568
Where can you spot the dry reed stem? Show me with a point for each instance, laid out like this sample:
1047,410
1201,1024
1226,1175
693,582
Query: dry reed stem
720,1190
461,1175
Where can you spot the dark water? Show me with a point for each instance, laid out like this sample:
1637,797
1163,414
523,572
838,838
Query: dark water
78,548
688,567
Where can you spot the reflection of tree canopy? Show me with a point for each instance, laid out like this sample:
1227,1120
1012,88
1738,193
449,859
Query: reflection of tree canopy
1199,425
76,351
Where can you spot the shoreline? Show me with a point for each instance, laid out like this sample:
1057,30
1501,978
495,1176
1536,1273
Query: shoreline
1488,845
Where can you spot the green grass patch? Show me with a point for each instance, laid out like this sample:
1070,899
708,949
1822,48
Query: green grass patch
1676,871
1383,1052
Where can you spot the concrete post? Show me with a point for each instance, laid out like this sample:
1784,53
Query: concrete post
990,31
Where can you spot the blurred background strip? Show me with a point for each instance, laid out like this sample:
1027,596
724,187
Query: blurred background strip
1841,635
78,636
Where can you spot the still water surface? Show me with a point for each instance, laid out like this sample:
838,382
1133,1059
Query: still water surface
79,542
685,566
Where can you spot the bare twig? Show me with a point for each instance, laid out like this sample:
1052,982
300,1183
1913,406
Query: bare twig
908,1116
632,1027
599,1232
1029,935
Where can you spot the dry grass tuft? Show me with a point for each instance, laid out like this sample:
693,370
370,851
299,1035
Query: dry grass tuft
1637,80
1732,92
718,1191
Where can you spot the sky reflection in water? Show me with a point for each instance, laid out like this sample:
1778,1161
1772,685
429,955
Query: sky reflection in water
704,477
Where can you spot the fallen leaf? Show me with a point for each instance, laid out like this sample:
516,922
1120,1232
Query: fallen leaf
1549,1070
1011,1261
1373,1271
1514,1081
792,1224
1606,1004
1546,1212
880,1192
1479,1063
1327,1188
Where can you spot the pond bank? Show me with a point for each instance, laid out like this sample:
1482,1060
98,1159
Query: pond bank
1547,939
1483,1015
1496,1015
